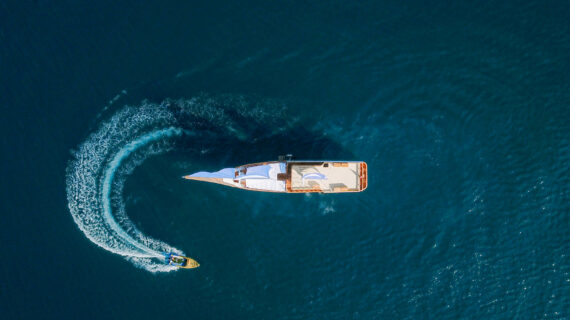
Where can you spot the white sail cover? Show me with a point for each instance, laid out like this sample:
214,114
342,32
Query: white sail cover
271,183
228,173
257,172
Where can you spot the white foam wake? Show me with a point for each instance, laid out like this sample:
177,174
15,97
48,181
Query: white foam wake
97,173
108,179
91,176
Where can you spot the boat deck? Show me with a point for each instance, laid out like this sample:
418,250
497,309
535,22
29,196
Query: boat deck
326,176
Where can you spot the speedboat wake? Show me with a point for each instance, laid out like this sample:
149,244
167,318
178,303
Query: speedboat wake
100,166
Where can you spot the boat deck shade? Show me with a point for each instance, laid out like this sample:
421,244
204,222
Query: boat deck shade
256,172
271,183
228,173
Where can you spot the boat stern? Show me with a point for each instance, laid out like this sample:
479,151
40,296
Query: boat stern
363,176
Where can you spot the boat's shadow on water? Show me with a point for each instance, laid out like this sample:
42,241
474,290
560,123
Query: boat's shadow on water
248,136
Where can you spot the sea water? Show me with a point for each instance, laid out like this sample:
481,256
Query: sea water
460,110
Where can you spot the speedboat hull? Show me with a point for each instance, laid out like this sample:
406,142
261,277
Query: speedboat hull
189,264
181,261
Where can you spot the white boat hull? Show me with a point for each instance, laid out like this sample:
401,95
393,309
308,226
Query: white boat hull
292,176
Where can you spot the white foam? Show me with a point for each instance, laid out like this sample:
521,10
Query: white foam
110,173
97,173
91,176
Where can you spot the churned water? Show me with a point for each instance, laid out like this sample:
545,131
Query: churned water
461,110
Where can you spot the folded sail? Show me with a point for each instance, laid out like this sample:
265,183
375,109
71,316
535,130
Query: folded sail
256,172
228,173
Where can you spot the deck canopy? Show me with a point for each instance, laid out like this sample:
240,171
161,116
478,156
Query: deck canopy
256,172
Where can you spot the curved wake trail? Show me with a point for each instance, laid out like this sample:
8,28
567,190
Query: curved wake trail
92,181
97,173
110,173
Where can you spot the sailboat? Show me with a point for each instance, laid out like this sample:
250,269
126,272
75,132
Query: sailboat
292,176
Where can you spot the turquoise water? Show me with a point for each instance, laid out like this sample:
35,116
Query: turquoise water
461,112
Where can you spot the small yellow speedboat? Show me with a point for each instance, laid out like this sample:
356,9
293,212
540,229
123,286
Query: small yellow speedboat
181,261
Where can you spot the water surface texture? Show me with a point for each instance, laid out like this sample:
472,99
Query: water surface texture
461,110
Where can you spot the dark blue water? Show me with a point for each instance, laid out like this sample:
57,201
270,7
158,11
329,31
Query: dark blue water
461,110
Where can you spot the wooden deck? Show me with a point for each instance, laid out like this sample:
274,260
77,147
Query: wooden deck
340,177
